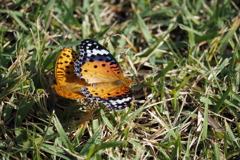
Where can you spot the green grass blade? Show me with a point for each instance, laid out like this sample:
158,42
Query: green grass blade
144,28
18,20
62,134
216,151
91,144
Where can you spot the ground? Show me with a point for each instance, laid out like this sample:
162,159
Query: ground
183,58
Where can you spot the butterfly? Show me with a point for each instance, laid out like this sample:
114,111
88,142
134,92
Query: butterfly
98,75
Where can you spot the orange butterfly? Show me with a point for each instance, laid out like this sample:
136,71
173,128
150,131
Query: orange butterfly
97,76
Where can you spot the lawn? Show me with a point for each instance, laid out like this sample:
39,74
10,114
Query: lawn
182,56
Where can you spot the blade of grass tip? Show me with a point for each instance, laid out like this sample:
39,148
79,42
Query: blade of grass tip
110,47
14,87
165,70
48,7
184,82
23,108
136,143
207,8
218,69
151,51
171,131
216,151
70,12
132,116
72,154
90,152
37,155
189,142
107,145
95,125
177,148
205,121
104,31
230,33
48,61
54,151
124,114
106,121
191,30
97,14
235,59
67,44
231,137
176,91
92,142
86,5
214,124
18,20
62,134
165,154
222,99
7,112
191,36
85,27
129,43
126,135
225,143
144,29
47,131
150,105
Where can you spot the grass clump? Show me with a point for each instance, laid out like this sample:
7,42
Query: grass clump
182,55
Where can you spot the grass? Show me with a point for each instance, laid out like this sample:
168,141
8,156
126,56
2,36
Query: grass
184,53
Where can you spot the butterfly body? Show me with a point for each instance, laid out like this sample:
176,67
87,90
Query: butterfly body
104,80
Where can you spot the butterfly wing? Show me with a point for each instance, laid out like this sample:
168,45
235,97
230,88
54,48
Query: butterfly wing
67,92
102,71
96,64
68,84
115,96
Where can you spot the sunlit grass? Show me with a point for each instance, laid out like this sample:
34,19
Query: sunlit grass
182,53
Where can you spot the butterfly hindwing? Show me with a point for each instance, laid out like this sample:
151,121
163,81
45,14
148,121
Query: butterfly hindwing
117,102
65,77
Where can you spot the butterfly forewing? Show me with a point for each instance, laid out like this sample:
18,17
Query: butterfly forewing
96,64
